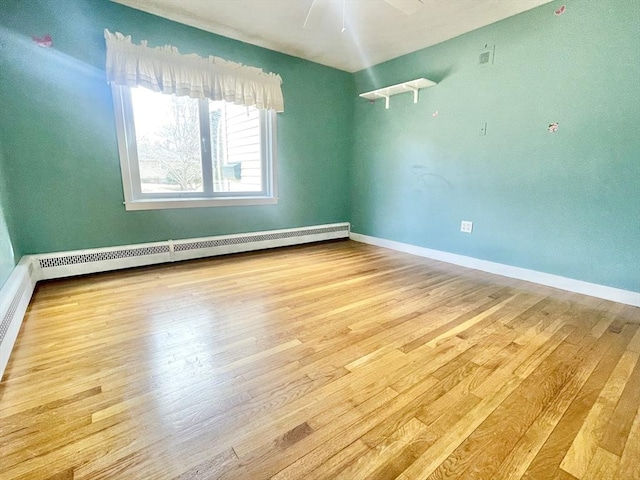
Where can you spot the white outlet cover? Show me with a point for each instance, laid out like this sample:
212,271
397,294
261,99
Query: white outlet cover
466,226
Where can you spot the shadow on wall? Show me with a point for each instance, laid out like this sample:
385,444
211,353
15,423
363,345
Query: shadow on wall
439,76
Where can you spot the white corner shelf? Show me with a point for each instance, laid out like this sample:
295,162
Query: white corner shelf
411,86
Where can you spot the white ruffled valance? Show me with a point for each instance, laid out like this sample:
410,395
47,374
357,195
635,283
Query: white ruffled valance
164,69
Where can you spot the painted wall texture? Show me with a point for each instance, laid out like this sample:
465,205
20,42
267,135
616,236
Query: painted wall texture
59,138
566,203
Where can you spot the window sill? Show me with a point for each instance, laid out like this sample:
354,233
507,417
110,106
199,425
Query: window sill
197,203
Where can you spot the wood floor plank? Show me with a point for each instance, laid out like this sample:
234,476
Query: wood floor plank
548,460
484,449
604,464
261,462
578,458
527,448
211,468
365,466
328,468
459,407
385,428
430,460
629,460
332,360
617,430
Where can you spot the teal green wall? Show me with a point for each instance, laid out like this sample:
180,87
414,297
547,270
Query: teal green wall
566,203
7,257
60,144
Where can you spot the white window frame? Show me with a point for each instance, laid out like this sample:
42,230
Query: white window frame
134,199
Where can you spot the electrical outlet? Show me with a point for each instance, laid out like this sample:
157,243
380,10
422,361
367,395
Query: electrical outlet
483,129
466,226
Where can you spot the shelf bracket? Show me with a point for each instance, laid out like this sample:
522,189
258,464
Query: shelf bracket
415,92
386,99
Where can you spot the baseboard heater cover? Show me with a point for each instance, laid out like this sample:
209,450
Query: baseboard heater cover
65,264
16,294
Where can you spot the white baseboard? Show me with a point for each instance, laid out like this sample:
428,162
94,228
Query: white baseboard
563,283
14,300
16,292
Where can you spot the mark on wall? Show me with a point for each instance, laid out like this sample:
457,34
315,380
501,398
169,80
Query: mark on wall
553,127
560,11
424,179
44,42
435,114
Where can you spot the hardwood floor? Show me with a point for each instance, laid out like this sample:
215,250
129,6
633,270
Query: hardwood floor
330,361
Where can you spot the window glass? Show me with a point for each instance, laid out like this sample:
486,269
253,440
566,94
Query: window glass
168,140
236,148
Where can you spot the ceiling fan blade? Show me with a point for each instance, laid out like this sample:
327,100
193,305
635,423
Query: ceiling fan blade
315,14
408,7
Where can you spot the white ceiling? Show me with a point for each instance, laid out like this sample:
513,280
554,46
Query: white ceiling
375,31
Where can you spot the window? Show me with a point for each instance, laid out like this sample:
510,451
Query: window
202,133
178,151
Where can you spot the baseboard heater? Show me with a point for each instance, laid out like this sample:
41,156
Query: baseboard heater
14,300
79,262
16,293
